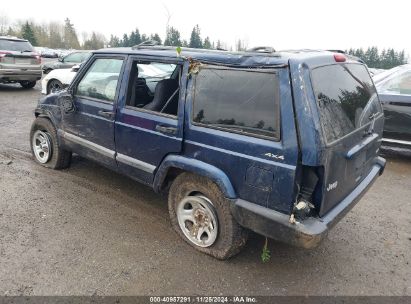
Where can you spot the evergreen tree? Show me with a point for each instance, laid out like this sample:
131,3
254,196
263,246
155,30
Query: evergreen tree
195,38
155,37
95,42
207,43
28,33
173,37
387,59
70,36
114,41
125,41
135,38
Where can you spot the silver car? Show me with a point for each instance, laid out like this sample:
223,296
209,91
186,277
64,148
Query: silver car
19,63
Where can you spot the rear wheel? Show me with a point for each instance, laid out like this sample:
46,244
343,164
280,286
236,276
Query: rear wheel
201,215
45,147
54,86
27,84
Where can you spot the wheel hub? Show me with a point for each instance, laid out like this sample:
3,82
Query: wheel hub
41,146
198,221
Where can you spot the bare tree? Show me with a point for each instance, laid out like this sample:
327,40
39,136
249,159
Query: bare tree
4,24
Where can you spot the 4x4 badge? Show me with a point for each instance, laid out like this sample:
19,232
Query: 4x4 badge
274,156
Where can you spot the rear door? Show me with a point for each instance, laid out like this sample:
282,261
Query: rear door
351,119
145,134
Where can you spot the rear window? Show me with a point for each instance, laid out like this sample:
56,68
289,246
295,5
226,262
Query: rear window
239,101
15,45
346,97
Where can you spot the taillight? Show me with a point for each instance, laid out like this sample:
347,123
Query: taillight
38,58
339,57
3,54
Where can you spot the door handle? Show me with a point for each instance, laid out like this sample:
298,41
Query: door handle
166,130
106,114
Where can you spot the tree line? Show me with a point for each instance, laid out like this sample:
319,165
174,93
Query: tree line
173,38
57,35
63,35
386,59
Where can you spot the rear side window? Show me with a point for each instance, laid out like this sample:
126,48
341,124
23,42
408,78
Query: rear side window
346,98
15,45
240,101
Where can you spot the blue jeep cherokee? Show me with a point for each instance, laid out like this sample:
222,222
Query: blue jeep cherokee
281,143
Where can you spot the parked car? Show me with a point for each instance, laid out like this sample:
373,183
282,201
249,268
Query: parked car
68,61
48,53
284,144
394,89
57,80
374,72
19,63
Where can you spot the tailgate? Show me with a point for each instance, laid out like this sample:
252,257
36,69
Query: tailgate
351,119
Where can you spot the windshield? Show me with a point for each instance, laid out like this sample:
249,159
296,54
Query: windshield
15,45
346,97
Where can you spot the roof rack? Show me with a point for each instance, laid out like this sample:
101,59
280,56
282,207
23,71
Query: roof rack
337,51
144,44
261,49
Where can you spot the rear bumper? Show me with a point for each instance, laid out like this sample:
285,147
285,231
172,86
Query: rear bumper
308,233
8,75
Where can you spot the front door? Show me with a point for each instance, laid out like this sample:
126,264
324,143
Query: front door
90,129
147,126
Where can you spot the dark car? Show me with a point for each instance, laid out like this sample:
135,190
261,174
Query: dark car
394,89
282,143
19,63
68,61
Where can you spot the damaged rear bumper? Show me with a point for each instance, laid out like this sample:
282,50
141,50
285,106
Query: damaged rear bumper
307,233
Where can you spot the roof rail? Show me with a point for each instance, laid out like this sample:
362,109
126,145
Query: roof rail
262,49
144,44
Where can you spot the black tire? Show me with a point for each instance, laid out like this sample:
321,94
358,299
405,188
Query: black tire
231,237
59,158
28,84
54,85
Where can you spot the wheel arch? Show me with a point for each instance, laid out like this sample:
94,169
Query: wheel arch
48,84
173,165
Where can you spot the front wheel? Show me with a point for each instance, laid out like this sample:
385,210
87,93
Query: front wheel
201,215
28,84
45,147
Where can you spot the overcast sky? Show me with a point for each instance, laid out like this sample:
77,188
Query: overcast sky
281,24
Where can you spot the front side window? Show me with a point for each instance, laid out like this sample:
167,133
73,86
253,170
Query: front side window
100,81
240,101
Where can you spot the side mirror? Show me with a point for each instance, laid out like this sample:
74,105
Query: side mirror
75,68
66,103
61,59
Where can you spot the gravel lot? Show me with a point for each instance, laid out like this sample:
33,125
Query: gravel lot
87,230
